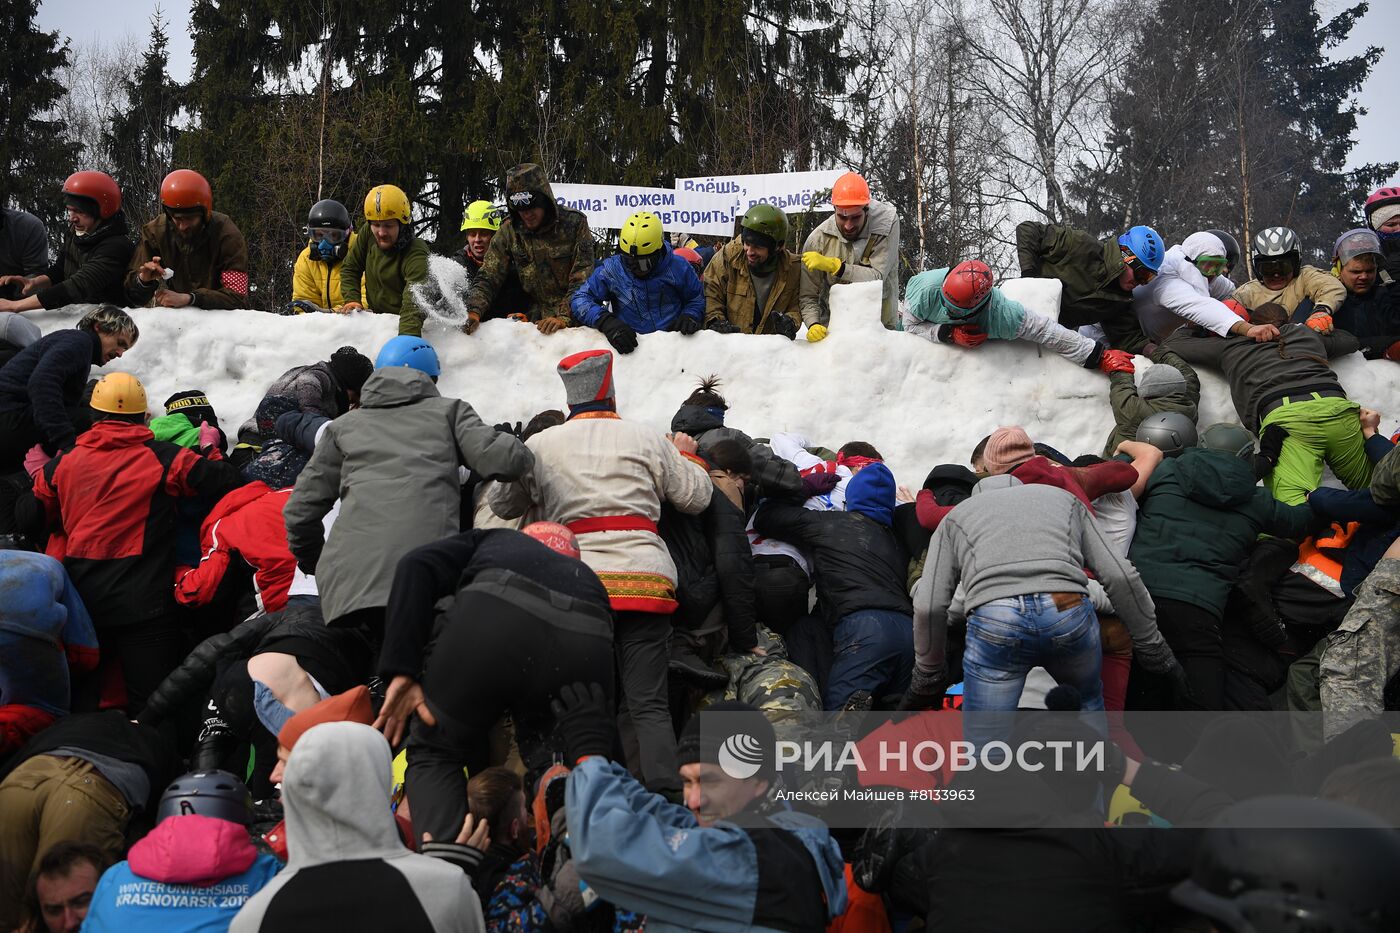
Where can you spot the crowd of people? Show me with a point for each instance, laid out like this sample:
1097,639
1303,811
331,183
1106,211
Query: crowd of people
367,662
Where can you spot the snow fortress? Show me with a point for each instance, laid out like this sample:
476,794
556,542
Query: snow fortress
920,403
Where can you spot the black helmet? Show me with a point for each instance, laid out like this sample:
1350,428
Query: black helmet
1171,432
328,213
1232,249
1333,869
207,793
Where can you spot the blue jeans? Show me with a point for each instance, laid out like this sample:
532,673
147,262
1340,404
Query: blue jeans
1007,637
874,651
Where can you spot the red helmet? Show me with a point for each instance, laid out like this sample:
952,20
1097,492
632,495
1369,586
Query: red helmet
968,284
96,187
689,255
1381,197
185,189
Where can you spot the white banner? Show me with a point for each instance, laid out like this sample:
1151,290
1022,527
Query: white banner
789,192
609,206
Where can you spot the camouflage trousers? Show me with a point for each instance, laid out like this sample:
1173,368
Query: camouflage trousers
1363,653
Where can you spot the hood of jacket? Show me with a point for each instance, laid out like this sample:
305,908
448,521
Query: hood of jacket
393,386
696,420
335,793
114,226
192,849
1113,264
531,177
1214,478
1178,263
879,221
871,493
111,434
994,483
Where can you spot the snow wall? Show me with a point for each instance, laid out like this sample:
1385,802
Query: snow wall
920,403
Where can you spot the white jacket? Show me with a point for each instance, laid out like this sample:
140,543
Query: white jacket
1181,295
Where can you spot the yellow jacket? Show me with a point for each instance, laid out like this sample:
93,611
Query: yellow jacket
317,281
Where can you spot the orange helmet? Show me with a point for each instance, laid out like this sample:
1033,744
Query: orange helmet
184,190
850,190
96,189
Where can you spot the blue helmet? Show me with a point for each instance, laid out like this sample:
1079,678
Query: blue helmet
1146,245
414,352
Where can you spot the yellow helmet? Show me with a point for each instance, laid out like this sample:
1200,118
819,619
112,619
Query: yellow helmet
119,394
387,202
481,215
641,234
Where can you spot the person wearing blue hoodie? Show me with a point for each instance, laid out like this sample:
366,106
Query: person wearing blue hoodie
861,571
730,859
647,287
194,871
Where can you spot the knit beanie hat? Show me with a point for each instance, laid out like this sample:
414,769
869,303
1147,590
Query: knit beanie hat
1007,448
351,368
588,381
742,739
871,492
193,404
1381,214
351,706
1161,379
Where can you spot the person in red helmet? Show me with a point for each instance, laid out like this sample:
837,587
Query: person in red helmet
691,256
1383,216
95,254
528,616
962,305
191,255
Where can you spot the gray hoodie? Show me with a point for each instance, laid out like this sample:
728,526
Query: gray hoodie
1011,539
393,463
347,868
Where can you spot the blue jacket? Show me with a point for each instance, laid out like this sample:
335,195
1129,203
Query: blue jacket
42,622
645,305
642,853
47,378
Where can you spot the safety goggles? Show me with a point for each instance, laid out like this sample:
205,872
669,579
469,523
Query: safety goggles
1141,274
329,234
1273,265
1211,266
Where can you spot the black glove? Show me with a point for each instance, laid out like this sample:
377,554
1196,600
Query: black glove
1114,766
1183,694
780,324
945,333
514,430
721,326
914,701
687,325
585,721
1270,446
622,337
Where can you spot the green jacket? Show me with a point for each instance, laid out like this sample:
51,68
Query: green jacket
1198,519
1088,268
388,277
1129,408
212,265
551,262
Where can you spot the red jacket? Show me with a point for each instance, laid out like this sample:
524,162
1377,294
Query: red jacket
246,523
111,503
1086,483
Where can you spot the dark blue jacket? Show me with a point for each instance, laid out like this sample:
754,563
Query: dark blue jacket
1373,317
48,377
645,305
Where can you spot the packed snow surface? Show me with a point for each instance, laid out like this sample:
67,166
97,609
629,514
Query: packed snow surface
920,403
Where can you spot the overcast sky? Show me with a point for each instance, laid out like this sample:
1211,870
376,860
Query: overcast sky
1378,140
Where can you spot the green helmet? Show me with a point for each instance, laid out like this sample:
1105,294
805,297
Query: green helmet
767,220
1229,438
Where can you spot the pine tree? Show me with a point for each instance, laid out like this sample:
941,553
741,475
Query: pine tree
35,156
141,138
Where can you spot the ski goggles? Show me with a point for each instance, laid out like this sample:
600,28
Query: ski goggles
1272,265
329,234
1211,266
1141,274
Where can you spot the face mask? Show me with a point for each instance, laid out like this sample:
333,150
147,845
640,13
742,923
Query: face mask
325,249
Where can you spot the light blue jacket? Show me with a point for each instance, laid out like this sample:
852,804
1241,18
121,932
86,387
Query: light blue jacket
1000,318
645,305
641,852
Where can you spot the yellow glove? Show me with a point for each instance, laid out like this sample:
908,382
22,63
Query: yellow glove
815,333
816,262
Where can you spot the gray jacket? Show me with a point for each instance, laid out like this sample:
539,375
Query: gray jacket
1259,372
393,464
1011,539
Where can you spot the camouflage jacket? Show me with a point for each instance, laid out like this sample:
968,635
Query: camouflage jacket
550,263
1363,653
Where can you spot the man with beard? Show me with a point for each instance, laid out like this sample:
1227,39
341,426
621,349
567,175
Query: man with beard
191,255
751,286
